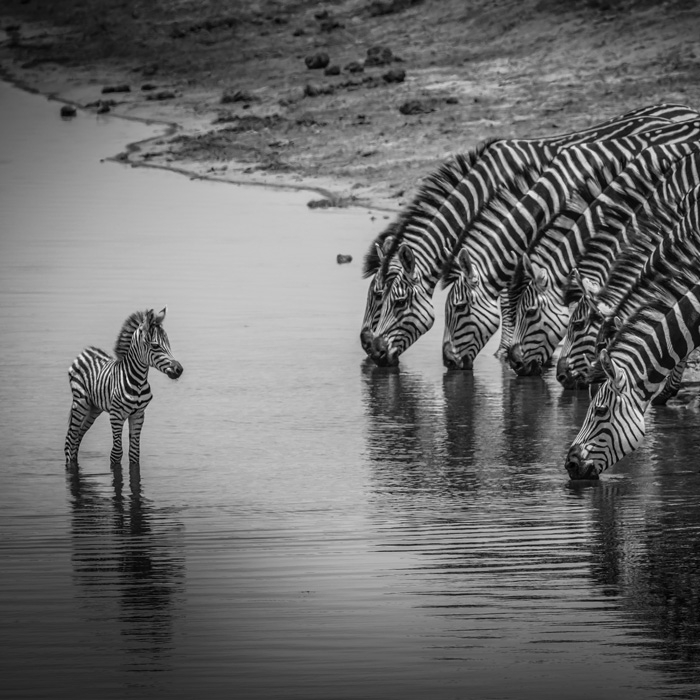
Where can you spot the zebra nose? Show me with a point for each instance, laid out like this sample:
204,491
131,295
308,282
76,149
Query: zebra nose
380,351
452,360
515,357
175,370
366,340
577,466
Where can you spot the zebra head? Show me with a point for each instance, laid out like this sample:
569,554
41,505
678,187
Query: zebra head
613,427
406,309
540,321
150,342
471,315
579,347
374,264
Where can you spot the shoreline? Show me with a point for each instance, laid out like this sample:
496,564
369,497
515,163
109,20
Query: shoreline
412,84
171,128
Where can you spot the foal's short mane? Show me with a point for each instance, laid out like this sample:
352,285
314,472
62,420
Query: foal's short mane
433,191
121,347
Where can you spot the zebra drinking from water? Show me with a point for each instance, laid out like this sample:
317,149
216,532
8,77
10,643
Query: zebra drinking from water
644,350
495,246
537,287
613,265
407,264
119,385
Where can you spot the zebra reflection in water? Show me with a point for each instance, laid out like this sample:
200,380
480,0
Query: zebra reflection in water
119,385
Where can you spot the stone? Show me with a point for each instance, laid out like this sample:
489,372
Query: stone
317,60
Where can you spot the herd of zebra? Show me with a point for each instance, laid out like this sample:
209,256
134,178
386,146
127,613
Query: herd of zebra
594,235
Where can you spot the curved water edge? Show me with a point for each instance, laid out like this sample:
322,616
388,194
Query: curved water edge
304,524
170,128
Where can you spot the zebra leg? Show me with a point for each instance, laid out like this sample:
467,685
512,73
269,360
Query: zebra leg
135,425
82,416
117,422
672,385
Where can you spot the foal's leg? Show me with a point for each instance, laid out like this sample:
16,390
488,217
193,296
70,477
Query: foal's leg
82,416
117,423
135,425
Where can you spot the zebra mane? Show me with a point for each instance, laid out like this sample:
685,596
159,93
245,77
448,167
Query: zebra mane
617,228
121,347
499,206
666,276
431,195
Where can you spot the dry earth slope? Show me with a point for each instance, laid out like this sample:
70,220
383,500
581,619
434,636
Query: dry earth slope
406,83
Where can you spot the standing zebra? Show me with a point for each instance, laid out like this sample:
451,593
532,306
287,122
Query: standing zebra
541,316
644,351
119,385
496,245
448,201
613,265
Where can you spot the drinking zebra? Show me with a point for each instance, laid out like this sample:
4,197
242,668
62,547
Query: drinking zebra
424,234
495,245
613,264
537,286
644,350
119,385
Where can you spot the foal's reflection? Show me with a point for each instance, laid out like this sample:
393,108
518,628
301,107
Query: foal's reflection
125,550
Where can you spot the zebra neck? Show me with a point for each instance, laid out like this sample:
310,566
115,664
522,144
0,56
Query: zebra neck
135,372
651,357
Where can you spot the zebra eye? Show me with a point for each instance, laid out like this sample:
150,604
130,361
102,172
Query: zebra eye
601,411
532,311
401,301
578,324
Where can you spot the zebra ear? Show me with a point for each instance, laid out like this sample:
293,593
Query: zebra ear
158,320
611,371
537,274
407,260
618,323
466,266
383,249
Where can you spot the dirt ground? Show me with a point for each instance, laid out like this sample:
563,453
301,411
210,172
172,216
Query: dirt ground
414,80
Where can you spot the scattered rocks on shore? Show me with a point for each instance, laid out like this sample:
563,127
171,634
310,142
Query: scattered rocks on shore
116,88
342,259
317,60
68,111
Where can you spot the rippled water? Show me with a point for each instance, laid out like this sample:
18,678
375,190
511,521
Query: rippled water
303,524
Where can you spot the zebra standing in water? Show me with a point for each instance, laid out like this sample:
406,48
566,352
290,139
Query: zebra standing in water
447,202
119,385
613,265
537,286
495,245
644,351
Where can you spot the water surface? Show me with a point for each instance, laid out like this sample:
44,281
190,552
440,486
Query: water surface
303,524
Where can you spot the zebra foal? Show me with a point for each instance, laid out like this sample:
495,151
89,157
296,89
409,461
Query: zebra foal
119,385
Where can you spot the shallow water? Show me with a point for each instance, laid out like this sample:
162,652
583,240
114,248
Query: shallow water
303,524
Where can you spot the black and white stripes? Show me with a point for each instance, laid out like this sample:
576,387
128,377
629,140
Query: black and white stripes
119,385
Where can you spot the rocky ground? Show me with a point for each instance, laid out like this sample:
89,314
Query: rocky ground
357,98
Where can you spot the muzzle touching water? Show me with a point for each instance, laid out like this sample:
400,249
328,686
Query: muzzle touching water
452,360
382,354
578,466
521,367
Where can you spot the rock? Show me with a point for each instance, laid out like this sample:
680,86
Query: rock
343,259
115,88
379,56
317,60
354,67
452,101
312,90
416,107
237,96
162,95
332,70
328,25
68,111
103,108
395,75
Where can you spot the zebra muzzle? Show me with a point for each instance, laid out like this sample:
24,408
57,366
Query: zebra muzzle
578,467
175,370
